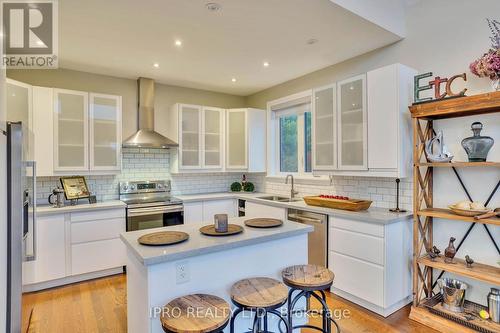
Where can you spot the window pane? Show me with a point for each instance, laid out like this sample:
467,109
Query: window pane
307,142
288,144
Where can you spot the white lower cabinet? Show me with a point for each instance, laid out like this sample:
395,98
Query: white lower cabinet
253,209
50,263
204,211
371,263
71,244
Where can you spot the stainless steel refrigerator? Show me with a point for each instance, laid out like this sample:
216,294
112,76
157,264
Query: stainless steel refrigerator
21,216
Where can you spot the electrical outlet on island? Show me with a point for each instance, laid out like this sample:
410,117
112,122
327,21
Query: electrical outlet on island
182,272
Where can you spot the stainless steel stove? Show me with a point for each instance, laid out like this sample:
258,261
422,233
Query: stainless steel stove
150,205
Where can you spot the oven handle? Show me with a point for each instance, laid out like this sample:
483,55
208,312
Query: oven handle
154,210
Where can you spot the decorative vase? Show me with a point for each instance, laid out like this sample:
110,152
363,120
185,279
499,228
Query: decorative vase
477,146
495,84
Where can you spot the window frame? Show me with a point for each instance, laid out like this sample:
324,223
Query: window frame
273,159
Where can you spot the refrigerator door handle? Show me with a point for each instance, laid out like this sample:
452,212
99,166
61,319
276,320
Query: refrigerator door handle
31,255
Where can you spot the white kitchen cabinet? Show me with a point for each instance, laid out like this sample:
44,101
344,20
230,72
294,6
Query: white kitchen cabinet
105,132
95,241
43,129
389,91
352,124
71,144
200,133
203,211
75,246
324,116
246,140
253,209
19,109
213,138
212,207
371,262
50,255
193,212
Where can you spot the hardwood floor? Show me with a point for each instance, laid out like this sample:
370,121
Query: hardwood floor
100,306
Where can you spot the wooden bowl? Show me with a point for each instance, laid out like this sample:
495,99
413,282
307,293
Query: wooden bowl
468,212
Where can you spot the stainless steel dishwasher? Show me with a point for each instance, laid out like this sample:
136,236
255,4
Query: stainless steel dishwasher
318,239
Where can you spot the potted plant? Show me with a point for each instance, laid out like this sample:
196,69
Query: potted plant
489,64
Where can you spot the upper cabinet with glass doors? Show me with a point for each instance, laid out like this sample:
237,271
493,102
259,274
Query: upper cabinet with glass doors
105,132
352,123
324,106
19,109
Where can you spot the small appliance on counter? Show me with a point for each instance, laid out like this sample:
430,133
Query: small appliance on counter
56,199
494,305
150,205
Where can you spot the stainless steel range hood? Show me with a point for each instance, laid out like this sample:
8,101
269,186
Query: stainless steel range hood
146,137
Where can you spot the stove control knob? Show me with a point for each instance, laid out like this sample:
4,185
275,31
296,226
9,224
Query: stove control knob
132,187
125,187
159,186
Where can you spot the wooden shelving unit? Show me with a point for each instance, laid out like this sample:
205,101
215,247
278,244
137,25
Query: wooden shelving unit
449,215
423,116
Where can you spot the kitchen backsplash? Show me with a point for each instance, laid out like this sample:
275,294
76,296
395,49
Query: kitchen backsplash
148,164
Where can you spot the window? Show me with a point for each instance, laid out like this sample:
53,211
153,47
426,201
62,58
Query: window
293,136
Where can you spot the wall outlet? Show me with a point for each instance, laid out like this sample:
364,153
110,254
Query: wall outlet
182,274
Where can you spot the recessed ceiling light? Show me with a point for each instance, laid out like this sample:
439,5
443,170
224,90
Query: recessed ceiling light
233,79
265,64
156,65
178,42
312,41
213,6
351,87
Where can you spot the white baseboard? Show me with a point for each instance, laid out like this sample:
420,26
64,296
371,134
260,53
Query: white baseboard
385,312
70,279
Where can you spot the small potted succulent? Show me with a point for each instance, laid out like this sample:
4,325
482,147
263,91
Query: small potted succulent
489,64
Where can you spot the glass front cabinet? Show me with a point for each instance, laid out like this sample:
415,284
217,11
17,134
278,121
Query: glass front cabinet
87,131
237,139
213,137
352,124
324,116
190,136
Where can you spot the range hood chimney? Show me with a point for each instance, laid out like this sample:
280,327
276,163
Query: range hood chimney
146,137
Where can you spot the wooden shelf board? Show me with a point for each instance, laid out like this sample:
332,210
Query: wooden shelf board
482,272
424,317
448,214
458,107
459,164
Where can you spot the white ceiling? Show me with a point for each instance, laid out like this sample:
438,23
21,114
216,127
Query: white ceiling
124,38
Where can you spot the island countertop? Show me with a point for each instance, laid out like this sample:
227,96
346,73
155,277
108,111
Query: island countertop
199,244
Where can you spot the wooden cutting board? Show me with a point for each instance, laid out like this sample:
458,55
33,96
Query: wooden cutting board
263,223
163,238
232,229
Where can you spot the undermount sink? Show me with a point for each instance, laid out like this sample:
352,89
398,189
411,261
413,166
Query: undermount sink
280,199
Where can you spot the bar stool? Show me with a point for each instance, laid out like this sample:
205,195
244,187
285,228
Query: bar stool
307,280
198,313
262,296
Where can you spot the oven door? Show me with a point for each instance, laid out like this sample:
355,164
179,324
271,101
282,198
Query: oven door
139,218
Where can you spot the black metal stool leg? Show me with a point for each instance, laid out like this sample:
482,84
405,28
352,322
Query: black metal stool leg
233,317
326,314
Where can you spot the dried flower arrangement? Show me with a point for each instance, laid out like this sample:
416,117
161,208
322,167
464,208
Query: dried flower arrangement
489,64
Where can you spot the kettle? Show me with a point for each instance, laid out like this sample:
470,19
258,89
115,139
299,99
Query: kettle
56,199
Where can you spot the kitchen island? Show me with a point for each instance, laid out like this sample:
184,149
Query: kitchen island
204,264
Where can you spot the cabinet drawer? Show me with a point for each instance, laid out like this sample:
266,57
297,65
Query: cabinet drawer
96,230
359,278
373,229
361,246
97,256
101,214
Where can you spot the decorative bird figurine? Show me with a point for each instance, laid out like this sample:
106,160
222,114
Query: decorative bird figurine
450,251
432,255
468,261
436,251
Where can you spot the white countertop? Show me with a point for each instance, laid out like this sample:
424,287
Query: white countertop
48,210
199,244
373,214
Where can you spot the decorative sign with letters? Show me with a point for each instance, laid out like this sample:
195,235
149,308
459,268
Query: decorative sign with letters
436,84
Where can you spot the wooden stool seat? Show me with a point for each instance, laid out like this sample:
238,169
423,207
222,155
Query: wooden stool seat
259,293
308,277
198,313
